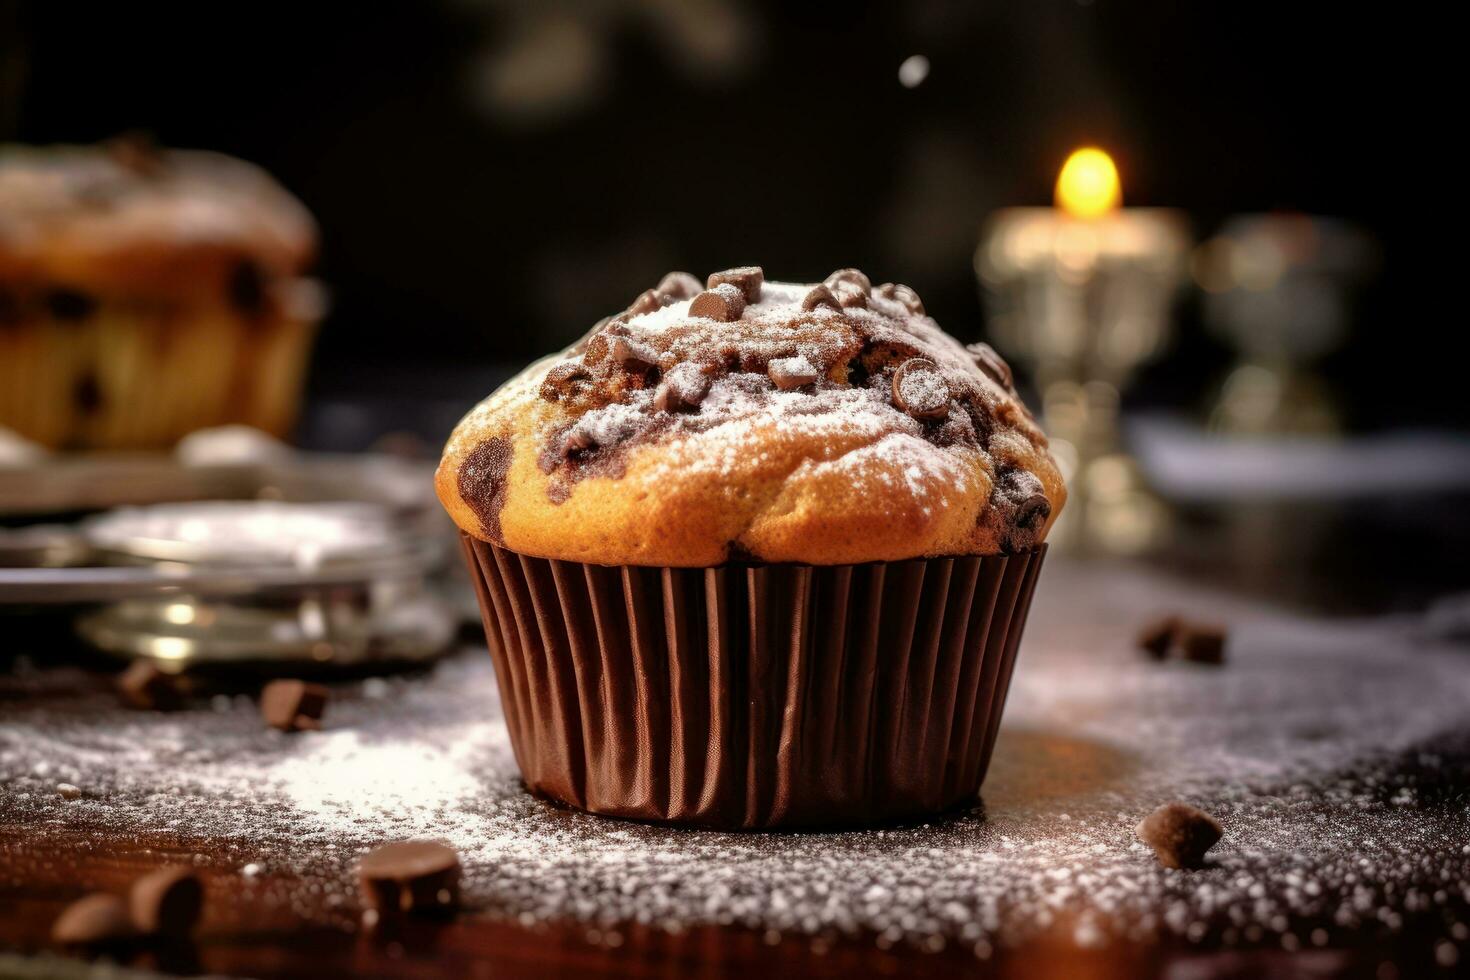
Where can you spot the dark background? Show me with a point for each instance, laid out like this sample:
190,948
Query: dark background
491,177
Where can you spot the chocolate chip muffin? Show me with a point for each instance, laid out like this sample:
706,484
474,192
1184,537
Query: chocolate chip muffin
146,293
755,553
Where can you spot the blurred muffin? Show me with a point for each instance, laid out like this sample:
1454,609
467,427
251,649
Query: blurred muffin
146,293
755,553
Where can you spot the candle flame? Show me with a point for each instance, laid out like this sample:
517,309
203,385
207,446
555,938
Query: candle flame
1088,185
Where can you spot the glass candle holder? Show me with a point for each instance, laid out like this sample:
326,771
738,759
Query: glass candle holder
1080,295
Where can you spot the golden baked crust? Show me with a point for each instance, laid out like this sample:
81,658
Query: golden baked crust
125,219
824,424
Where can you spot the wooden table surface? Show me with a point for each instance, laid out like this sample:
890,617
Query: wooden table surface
251,933
279,923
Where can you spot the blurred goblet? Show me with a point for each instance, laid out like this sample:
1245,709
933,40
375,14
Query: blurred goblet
1080,294
1279,288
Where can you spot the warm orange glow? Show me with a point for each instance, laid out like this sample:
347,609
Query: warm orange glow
1088,185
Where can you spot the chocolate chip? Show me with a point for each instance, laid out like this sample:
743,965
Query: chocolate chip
9,307
166,902
920,389
1157,638
647,301
679,285
1183,639
994,366
724,302
70,304
1020,500
1202,643
630,354
746,278
1179,834
144,686
683,387
293,705
86,394
93,920
790,373
246,288
853,278
900,293
410,876
849,296
1031,511
820,295
562,377
577,440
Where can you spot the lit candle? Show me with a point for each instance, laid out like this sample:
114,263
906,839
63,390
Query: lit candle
1081,292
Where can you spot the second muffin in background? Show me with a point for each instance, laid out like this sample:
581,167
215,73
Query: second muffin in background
146,293
755,553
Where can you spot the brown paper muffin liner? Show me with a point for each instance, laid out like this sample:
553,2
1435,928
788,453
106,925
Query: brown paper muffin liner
754,696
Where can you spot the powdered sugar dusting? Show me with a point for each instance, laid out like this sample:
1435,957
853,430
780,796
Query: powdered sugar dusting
907,462
614,423
1327,750
737,421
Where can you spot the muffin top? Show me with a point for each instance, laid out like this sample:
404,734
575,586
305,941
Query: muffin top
128,218
745,420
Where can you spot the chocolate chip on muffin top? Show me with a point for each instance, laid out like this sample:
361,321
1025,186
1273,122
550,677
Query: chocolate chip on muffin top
822,423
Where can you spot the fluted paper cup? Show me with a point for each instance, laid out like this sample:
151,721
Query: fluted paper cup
754,696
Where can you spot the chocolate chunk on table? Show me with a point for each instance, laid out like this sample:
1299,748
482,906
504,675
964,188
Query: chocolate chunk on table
1157,637
410,876
1175,637
293,705
1179,834
93,920
166,902
143,685
1202,643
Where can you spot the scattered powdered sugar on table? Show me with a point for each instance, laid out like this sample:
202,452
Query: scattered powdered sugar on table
1326,750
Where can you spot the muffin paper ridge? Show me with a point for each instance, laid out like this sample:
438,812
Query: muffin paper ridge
754,696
